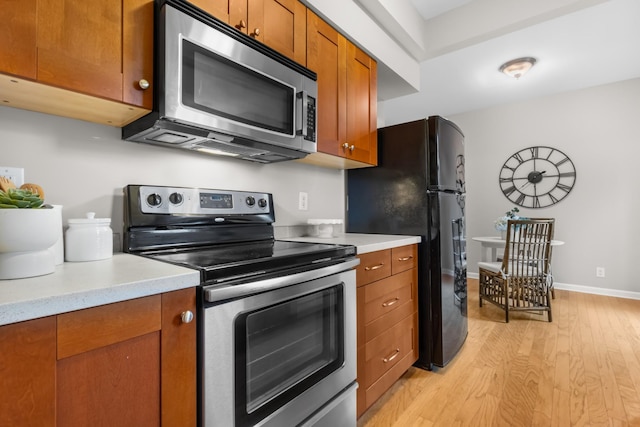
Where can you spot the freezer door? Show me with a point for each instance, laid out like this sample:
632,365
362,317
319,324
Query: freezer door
446,155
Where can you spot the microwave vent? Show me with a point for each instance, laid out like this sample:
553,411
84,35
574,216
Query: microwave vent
171,138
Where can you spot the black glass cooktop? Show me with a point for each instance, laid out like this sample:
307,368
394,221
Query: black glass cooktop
227,262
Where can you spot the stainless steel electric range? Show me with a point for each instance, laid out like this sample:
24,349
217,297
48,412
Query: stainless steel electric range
276,319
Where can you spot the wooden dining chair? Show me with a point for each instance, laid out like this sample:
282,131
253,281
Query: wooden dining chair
522,281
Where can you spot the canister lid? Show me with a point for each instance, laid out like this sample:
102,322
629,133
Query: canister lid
90,220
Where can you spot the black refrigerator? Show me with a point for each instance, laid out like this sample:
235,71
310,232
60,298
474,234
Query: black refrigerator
418,188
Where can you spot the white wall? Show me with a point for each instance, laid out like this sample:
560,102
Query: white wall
84,167
599,129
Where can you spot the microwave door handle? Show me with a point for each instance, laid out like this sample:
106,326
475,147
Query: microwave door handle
303,111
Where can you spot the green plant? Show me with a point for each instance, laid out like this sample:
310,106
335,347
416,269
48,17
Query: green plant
501,222
19,199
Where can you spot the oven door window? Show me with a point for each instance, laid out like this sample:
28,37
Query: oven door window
226,89
284,349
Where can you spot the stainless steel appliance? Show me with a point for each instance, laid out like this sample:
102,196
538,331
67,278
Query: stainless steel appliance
276,319
219,91
418,188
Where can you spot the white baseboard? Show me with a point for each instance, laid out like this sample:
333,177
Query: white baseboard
586,289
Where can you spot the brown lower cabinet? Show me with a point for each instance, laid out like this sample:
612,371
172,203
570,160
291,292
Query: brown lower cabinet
127,363
387,320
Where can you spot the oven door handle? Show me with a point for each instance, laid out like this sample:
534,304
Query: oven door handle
215,293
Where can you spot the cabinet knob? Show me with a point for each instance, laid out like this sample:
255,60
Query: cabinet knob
144,84
256,32
345,146
242,24
352,148
187,316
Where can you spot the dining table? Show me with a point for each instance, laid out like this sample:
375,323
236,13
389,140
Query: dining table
491,244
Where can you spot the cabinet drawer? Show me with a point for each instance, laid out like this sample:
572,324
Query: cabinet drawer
388,349
91,328
382,384
373,266
388,301
404,258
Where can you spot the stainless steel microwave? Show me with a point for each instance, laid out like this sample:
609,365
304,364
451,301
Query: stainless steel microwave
219,91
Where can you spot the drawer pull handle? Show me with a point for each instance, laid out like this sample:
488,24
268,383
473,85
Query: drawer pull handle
375,267
390,302
405,258
391,357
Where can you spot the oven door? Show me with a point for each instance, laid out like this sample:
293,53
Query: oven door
278,357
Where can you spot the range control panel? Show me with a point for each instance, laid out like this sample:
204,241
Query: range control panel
198,201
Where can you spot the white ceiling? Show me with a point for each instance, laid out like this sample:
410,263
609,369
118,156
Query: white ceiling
460,44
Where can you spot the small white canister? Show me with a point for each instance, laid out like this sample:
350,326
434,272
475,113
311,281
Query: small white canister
88,239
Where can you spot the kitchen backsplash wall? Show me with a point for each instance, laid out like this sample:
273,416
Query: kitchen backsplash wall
84,166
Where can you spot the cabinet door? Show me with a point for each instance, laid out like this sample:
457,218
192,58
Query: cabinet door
80,46
178,366
361,106
137,52
217,8
18,38
281,25
109,363
327,56
28,372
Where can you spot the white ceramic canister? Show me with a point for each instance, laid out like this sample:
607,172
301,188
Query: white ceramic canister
88,239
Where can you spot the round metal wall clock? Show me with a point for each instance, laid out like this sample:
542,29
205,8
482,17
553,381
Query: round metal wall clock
537,177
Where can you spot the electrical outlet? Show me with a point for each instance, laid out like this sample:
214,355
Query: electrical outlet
303,201
16,175
599,271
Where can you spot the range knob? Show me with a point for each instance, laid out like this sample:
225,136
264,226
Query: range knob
250,200
175,198
262,203
154,199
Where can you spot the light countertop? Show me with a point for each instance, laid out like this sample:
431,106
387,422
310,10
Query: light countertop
78,285
363,242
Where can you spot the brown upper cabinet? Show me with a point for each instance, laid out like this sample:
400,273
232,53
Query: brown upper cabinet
102,48
279,24
18,38
99,48
347,98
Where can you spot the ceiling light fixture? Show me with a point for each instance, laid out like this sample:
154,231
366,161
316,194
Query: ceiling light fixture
517,67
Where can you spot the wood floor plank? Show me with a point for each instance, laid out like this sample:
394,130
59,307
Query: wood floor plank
594,389
581,369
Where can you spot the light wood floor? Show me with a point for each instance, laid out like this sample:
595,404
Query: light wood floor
583,369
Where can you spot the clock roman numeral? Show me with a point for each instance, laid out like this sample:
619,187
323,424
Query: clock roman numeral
508,191
520,199
536,201
567,174
563,187
566,159
553,199
518,157
534,152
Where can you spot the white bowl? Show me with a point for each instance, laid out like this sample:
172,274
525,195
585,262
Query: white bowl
25,237
323,228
